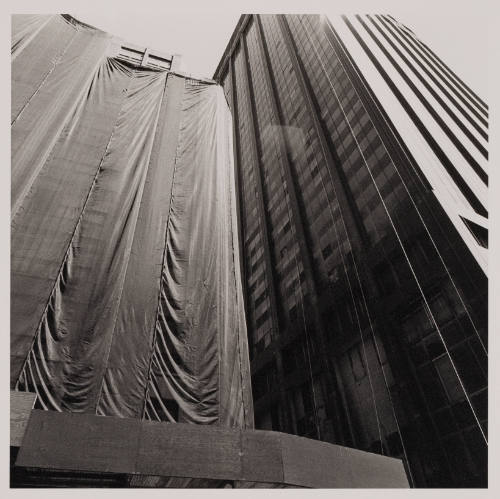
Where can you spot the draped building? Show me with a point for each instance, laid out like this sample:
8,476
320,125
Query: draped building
126,296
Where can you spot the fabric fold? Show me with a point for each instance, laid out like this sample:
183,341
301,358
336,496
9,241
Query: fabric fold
125,294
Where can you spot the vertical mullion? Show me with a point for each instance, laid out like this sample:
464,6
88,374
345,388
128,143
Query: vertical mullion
270,266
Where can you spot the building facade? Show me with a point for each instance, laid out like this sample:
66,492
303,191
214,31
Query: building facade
126,298
362,182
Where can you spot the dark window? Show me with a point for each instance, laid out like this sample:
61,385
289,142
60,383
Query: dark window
449,379
456,455
394,444
357,364
463,414
432,388
262,319
385,278
418,354
480,404
434,346
293,313
440,310
264,381
477,448
445,421
468,368
326,251
307,398
257,263
452,333
260,299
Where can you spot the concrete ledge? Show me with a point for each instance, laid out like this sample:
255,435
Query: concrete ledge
21,404
88,443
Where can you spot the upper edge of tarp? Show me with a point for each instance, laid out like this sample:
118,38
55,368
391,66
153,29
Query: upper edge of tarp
79,24
117,42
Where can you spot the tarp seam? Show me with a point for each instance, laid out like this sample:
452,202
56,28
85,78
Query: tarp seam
167,226
59,272
126,198
67,121
55,63
128,256
17,49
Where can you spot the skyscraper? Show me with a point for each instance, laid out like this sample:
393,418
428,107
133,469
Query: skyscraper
362,181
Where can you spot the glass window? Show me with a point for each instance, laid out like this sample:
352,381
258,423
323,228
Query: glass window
357,364
449,379
467,366
432,388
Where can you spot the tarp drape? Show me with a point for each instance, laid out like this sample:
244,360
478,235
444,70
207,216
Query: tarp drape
125,289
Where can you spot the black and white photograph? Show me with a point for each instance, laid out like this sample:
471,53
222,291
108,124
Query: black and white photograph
248,250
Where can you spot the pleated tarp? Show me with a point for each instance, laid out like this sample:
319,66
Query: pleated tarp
126,297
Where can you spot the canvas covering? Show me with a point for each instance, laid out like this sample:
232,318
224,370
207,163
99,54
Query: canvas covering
126,298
